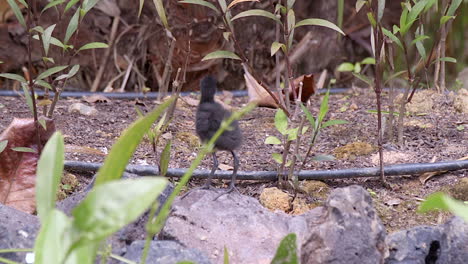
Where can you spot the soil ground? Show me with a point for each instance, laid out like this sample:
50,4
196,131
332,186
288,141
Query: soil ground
428,136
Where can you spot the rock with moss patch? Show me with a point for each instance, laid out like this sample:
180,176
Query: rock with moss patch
460,190
351,150
275,199
461,101
316,189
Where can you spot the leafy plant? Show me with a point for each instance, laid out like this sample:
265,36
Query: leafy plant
286,253
294,136
442,201
283,17
48,79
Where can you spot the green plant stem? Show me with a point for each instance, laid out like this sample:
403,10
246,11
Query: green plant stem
245,61
119,258
30,81
7,261
207,148
150,233
292,175
8,250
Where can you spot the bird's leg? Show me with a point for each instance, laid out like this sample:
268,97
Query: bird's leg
207,184
232,185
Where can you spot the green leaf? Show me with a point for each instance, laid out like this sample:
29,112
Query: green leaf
226,35
52,4
404,14
334,122
291,19
226,256
272,140
319,22
287,251
3,145
360,4
49,172
161,12
17,11
221,54
392,36
69,5
395,75
440,200
357,67
292,133
123,149
371,19
48,59
412,16
165,158
38,29
114,204
202,3
43,124
281,121
275,46
72,26
13,76
94,45
346,67
445,19
54,238
421,49
419,38
46,37
223,5
51,71
70,74
368,60
453,7
308,115
380,9
323,108
88,4
257,12
323,158
53,41
448,59
277,157
27,95
363,78
24,149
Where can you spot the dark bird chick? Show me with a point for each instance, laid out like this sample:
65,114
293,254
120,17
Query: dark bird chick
209,116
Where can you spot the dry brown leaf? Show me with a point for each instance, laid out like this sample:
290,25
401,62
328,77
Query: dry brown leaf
96,98
423,178
308,87
225,167
18,169
257,93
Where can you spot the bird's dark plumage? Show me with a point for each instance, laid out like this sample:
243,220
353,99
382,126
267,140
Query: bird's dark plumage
209,116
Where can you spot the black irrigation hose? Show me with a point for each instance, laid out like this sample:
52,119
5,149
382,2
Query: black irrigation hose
133,95
391,170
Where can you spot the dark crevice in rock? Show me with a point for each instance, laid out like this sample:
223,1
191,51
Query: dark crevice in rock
434,252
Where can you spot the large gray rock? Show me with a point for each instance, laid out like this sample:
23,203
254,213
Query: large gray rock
443,244
17,230
348,232
131,232
165,252
250,232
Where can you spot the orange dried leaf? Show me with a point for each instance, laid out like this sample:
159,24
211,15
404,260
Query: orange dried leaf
18,169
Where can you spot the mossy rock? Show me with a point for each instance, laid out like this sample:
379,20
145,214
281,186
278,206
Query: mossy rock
460,190
351,150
